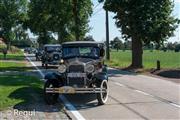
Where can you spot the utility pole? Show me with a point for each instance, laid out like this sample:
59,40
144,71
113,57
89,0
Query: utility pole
107,36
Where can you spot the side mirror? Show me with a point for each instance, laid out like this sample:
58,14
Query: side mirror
102,52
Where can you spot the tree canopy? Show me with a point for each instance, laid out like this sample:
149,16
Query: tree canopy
57,16
12,14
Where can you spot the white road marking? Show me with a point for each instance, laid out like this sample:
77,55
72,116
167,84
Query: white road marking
175,105
142,92
70,107
41,73
119,84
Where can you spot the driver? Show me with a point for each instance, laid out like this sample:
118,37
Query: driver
93,52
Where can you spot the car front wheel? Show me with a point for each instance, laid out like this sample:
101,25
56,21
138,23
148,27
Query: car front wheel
50,98
46,66
102,97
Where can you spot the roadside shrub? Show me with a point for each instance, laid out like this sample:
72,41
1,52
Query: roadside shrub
177,48
2,46
14,49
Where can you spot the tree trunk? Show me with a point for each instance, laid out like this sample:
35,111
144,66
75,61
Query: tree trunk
59,38
8,45
137,53
76,21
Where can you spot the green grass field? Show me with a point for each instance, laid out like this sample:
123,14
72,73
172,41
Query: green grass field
168,59
13,62
12,66
16,56
19,90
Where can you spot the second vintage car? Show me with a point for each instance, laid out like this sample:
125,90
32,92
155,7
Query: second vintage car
81,70
51,55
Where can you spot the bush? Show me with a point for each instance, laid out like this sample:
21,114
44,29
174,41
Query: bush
2,46
13,49
177,48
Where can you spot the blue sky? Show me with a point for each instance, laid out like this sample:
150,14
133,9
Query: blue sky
97,23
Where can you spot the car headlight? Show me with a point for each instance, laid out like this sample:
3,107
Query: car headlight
89,68
62,68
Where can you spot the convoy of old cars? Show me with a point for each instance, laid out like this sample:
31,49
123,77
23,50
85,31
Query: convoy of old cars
81,70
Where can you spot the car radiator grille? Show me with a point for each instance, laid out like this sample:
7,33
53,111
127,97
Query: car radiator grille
76,68
79,82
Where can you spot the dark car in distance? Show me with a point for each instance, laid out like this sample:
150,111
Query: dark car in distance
38,54
81,70
51,54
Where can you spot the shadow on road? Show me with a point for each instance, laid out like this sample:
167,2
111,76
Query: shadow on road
32,100
83,101
117,73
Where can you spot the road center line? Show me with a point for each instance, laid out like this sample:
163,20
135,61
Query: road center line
70,107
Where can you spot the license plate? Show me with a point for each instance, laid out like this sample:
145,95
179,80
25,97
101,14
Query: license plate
76,75
67,90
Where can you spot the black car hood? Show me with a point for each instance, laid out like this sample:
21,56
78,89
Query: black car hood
80,60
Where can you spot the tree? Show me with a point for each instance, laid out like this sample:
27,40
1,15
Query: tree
37,20
89,38
143,21
12,13
116,43
170,46
177,47
58,18
82,10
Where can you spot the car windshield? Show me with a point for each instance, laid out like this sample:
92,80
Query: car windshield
90,52
52,48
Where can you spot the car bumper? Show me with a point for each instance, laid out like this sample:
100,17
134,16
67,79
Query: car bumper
52,62
72,90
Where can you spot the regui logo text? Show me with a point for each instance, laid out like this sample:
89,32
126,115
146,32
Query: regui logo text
24,113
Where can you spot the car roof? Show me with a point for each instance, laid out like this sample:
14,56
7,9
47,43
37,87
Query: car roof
49,45
83,43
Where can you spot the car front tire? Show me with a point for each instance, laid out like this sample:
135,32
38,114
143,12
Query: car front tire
51,98
42,64
102,97
46,66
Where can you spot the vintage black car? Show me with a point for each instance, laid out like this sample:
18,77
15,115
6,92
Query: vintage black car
29,50
51,54
81,70
38,54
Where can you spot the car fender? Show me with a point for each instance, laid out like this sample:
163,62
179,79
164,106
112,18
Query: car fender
101,76
53,76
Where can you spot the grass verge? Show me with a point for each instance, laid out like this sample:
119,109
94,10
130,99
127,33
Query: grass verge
170,59
16,56
18,89
12,66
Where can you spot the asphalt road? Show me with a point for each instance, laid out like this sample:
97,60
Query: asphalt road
131,96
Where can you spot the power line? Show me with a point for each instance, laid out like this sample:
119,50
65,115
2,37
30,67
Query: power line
96,12
96,5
